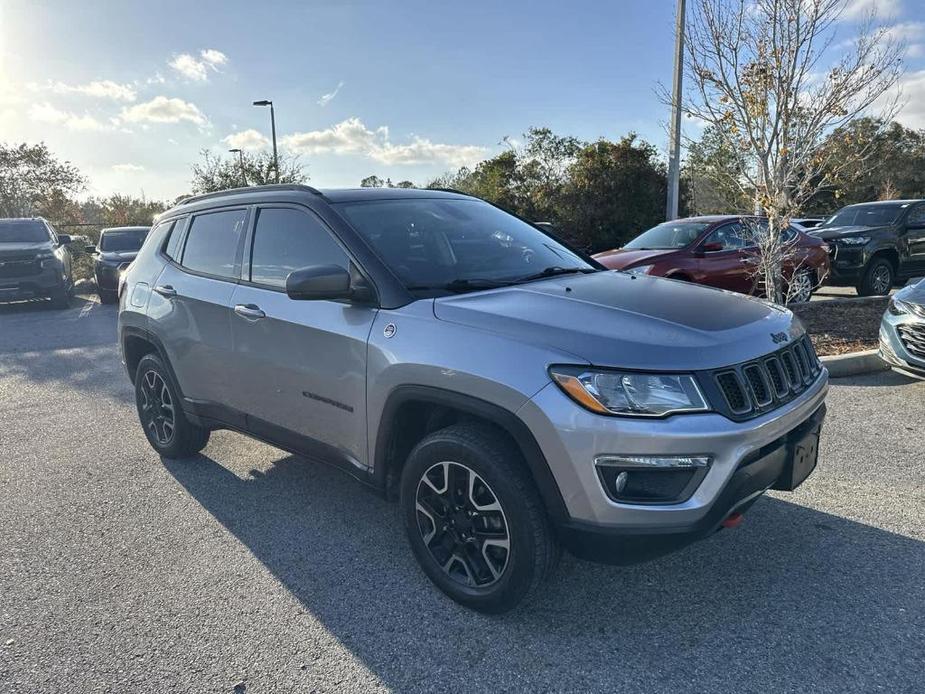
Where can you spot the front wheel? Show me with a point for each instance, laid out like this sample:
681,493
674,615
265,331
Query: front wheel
878,278
474,519
165,425
801,287
107,296
61,299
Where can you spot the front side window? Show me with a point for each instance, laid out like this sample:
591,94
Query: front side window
212,243
729,236
916,216
23,231
287,239
457,244
668,235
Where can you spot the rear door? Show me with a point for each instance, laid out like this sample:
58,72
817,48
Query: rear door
727,267
191,305
300,366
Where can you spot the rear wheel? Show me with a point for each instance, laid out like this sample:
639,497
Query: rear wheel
878,278
474,519
165,425
61,299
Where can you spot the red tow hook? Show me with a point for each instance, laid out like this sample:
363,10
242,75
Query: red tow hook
733,521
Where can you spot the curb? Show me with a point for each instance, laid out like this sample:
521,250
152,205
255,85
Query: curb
854,363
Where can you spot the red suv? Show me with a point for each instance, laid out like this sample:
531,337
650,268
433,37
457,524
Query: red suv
715,251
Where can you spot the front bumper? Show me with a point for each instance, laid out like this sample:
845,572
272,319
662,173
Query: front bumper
46,283
846,264
894,350
571,438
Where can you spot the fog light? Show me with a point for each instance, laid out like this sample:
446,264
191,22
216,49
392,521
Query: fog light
651,479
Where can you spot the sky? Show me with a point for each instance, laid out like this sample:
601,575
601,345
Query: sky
131,91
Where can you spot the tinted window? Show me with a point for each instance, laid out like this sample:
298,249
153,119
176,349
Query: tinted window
172,249
431,242
285,240
212,243
916,216
668,235
118,240
23,231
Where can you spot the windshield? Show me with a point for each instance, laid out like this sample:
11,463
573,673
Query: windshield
25,231
434,243
121,240
865,216
668,235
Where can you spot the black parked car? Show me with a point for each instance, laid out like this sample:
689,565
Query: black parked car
34,262
118,247
875,244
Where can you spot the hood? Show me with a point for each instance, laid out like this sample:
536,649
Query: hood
913,293
118,256
621,259
628,321
20,250
837,232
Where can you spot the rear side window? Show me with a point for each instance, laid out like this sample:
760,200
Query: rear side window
175,233
286,239
212,243
916,216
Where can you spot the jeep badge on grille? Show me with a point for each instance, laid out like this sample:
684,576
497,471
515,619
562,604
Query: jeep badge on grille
779,337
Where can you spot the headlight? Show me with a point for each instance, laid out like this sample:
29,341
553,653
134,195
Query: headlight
641,269
898,307
853,240
46,259
630,394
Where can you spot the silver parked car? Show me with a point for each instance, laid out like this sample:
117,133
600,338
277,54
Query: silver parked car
902,330
513,395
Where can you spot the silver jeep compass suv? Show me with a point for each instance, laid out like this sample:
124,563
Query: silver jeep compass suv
511,393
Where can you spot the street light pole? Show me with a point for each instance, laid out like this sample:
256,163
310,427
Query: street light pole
674,141
241,161
267,102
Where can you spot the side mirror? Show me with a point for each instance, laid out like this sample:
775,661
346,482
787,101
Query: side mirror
90,249
318,282
64,239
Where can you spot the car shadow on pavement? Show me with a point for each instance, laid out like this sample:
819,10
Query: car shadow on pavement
795,599
878,379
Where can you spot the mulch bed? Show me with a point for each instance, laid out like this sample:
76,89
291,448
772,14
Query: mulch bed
839,327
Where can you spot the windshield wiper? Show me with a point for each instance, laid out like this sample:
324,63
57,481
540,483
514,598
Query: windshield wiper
462,285
555,270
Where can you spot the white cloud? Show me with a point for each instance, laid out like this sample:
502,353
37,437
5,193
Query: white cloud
127,168
162,109
353,137
247,139
912,88
326,98
197,69
861,9
102,89
46,113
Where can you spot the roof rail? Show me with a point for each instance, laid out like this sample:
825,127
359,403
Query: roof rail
450,190
251,189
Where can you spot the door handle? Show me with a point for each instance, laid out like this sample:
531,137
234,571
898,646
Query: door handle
165,290
249,311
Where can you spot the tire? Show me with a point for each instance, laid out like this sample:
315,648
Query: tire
165,425
878,278
61,299
107,296
496,501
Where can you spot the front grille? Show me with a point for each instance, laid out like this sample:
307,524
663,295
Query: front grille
912,335
755,387
18,268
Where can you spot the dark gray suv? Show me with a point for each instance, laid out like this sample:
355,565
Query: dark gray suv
511,393
34,262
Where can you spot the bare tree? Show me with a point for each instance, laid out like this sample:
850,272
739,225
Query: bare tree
772,80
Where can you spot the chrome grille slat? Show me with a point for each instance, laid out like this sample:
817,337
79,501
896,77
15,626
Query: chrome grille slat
913,338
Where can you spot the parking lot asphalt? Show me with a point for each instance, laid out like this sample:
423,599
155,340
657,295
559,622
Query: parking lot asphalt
249,570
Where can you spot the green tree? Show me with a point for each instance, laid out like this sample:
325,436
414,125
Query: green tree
34,181
372,182
214,172
611,192
712,175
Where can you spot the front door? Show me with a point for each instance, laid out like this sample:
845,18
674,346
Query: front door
724,263
300,366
